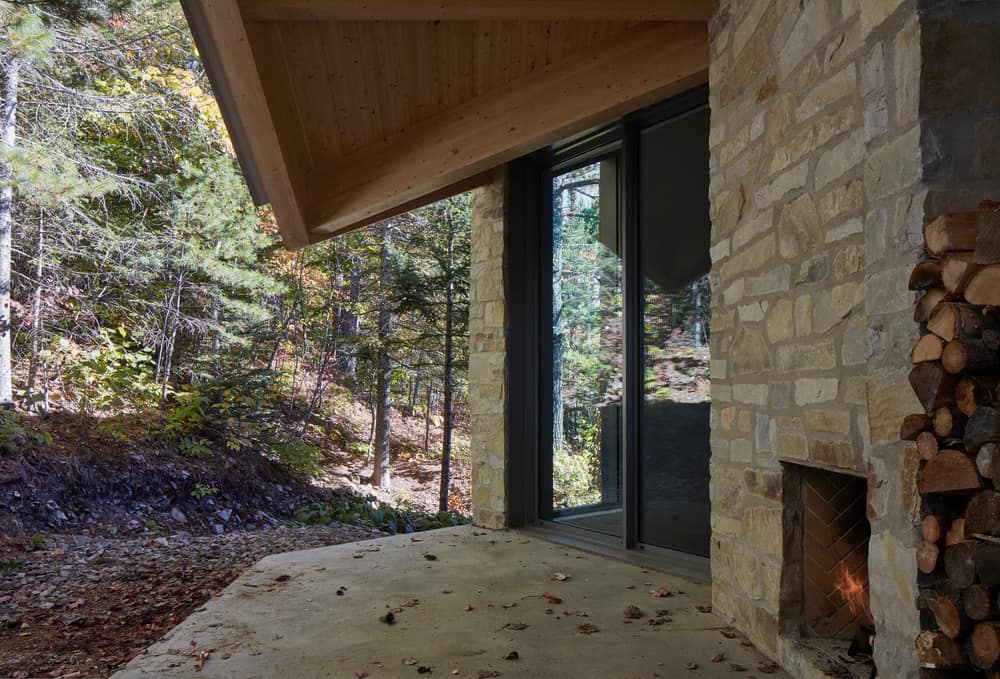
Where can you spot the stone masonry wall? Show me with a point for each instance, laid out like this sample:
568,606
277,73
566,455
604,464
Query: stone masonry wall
839,128
488,357
816,167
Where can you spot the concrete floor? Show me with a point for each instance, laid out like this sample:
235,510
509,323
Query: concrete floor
460,614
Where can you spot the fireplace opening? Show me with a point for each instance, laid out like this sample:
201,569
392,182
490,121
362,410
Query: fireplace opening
835,534
832,625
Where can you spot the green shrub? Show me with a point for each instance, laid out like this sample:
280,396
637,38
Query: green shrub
201,491
573,482
358,448
299,456
12,434
116,375
11,566
194,447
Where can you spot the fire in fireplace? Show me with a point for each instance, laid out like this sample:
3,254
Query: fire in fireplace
835,555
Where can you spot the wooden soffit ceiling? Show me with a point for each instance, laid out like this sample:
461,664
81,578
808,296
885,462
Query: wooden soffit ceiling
344,112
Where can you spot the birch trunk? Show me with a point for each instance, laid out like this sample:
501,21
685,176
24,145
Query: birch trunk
8,137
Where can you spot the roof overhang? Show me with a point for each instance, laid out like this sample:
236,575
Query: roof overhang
345,112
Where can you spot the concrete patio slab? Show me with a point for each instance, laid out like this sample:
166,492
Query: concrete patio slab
463,601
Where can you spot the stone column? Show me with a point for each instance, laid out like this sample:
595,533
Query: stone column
488,356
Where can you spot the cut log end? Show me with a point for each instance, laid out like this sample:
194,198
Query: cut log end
950,471
985,644
933,386
931,528
928,348
984,286
950,232
927,445
934,649
928,554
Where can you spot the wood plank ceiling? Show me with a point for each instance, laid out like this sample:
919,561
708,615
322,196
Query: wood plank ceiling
354,110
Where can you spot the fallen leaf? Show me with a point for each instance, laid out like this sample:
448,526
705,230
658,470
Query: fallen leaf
468,607
633,612
488,674
361,675
283,578
513,655
718,657
516,626
661,593
704,609
586,628
409,603
202,658
735,667
560,577
728,633
692,666
768,667
424,670
409,661
552,598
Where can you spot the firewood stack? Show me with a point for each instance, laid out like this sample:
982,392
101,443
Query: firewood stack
955,376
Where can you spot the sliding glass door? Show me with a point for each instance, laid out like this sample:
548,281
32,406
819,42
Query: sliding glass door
673,231
614,404
586,341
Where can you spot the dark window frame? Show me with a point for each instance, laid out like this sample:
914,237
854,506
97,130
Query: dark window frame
528,229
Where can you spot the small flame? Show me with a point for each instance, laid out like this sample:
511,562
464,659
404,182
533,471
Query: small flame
854,592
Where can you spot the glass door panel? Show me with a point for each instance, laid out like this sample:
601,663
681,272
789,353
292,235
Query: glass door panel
586,349
674,237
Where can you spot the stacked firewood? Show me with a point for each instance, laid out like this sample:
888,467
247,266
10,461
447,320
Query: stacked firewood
955,376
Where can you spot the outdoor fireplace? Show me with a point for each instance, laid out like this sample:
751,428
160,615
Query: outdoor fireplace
830,623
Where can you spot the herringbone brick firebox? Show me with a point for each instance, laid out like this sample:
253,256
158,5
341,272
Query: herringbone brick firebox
835,536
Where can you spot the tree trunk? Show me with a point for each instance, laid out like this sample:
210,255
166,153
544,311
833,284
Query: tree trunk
427,421
449,359
558,326
36,315
8,138
348,321
216,320
328,355
380,473
172,320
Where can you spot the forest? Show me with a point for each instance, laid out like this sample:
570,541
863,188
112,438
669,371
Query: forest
169,371
146,292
